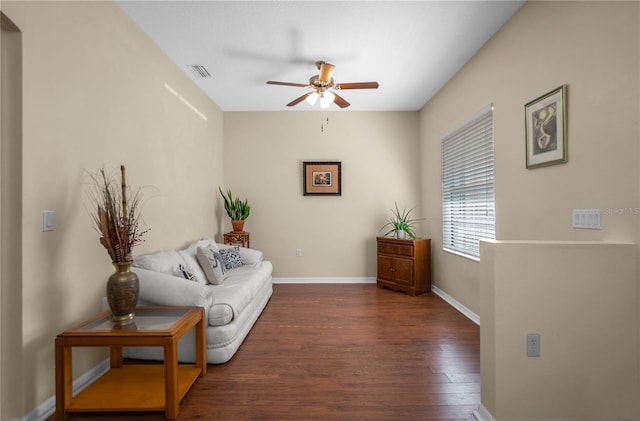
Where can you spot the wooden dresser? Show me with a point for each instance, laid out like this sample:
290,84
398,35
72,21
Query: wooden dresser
404,265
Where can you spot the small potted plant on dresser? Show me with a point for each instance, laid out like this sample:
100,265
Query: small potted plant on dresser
401,224
404,261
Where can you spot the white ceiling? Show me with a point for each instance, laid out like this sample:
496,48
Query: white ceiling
412,48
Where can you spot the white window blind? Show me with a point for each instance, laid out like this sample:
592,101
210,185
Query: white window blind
468,187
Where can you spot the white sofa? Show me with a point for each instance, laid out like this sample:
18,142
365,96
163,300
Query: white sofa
231,308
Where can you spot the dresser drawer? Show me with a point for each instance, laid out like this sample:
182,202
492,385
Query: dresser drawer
395,248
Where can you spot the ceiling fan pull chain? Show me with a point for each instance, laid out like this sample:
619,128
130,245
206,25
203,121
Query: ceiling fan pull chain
323,123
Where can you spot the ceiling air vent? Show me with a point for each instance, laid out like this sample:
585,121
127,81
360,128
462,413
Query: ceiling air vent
199,71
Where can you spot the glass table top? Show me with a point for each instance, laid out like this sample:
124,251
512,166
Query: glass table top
146,319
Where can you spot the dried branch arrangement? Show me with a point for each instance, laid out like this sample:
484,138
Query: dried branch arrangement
117,214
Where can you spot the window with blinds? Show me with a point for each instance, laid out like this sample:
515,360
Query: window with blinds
468,187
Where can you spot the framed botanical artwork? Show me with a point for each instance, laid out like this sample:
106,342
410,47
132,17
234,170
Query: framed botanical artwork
546,129
322,178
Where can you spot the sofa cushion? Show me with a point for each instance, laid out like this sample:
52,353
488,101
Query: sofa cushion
192,263
186,272
220,314
240,287
166,262
249,256
193,247
212,264
231,257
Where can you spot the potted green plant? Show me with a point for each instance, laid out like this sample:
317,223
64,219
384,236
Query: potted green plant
401,223
238,210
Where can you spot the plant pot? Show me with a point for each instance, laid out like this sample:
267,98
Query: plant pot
238,225
401,235
123,288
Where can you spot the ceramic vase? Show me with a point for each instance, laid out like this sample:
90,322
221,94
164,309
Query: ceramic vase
401,234
123,288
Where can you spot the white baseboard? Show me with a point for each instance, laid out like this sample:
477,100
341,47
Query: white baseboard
456,304
316,280
48,407
482,414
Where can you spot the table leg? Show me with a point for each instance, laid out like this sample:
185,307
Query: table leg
200,333
172,402
116,356
63,379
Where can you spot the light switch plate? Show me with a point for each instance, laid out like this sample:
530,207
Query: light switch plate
587,218
48,220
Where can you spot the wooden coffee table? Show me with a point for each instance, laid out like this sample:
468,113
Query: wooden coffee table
132,387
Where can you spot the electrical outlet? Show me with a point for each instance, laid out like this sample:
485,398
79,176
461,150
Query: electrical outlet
298,252
533,345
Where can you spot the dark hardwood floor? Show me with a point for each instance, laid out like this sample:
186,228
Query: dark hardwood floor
342,352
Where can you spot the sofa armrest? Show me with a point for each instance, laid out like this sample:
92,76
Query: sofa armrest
166,290
251,256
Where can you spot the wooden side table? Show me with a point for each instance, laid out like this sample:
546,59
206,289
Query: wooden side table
132,387
237,238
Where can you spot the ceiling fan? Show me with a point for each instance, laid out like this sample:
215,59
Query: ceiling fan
321,83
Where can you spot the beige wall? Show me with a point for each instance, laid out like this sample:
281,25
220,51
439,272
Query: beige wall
95,91
582,301
545,45
520,63
263,155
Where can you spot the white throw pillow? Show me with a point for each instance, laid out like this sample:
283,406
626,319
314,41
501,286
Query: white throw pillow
192,263
212,265
185,272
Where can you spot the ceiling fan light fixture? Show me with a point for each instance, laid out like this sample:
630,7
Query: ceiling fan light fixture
320,85
312,98
326,98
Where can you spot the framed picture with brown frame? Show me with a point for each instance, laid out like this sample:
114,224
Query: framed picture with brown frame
546,129
322,178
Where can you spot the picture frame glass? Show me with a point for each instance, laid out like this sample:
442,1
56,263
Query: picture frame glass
321,178
545,125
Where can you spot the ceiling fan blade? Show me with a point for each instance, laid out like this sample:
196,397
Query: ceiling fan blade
340,102
357,85
273,82
299,99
